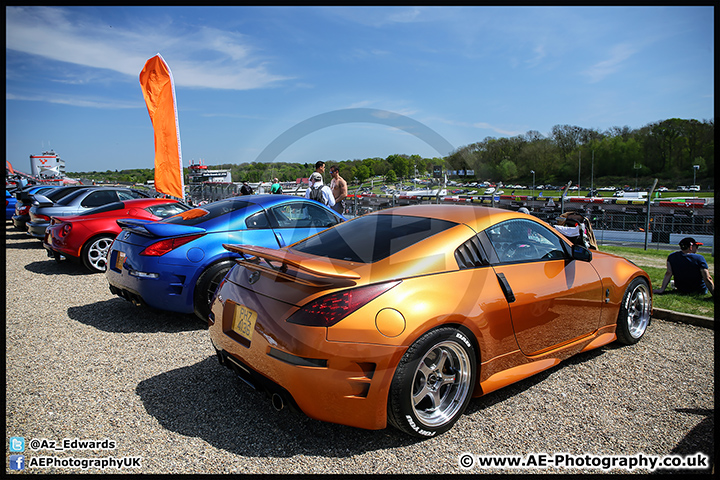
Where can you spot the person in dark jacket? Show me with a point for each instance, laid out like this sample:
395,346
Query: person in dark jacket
246,189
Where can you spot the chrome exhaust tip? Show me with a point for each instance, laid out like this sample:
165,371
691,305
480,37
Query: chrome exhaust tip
277,402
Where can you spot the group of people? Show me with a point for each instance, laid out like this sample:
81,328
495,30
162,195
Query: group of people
246,189
333,195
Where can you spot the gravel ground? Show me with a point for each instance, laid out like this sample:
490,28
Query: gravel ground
83,364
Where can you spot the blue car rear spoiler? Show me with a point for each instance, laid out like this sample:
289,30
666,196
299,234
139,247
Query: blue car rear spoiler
151,228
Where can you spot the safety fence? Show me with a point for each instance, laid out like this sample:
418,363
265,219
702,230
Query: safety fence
637,223
659,223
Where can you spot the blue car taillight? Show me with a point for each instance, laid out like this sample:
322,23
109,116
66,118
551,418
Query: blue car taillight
162,247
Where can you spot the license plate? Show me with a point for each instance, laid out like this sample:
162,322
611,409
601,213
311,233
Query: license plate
120,260
244,321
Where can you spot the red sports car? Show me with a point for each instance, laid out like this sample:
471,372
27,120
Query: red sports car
88,236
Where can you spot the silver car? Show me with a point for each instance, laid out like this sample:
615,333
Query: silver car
74,204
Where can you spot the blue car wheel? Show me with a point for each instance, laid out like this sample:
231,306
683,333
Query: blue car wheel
207,285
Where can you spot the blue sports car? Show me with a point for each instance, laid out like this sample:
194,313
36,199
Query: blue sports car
175,264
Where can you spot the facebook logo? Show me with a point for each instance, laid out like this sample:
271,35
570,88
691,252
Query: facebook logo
17,462
17,444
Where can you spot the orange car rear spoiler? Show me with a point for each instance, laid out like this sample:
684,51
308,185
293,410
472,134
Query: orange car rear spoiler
317,267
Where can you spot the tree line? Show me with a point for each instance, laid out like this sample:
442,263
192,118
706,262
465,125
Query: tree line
674,150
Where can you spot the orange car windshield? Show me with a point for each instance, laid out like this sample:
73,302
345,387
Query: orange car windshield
371,238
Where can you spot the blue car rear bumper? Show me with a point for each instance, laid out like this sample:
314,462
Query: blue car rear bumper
154,287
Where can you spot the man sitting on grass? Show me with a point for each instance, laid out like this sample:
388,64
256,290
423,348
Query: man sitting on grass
689,269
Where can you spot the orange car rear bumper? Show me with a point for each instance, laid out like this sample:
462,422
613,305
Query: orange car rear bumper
338,382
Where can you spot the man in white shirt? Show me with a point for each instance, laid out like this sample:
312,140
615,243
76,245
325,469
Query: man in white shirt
319,191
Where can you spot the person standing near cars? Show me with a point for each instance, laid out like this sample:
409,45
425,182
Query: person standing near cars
689,269
276,188
338,186
318,191
246,189
320,168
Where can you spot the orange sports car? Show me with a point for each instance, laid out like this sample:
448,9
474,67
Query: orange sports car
402,315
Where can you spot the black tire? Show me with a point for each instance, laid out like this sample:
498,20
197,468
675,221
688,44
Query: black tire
206,285
94,253
635,310
433,383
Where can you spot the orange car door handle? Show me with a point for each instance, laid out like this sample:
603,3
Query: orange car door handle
509,295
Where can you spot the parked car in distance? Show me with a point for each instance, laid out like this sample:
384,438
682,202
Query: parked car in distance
27,197
23,200
401,316
87,237
175,264
10,202
81,200
633,195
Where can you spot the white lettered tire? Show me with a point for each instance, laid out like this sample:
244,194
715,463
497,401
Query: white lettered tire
433,383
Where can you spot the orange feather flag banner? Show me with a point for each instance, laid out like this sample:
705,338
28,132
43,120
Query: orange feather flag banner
159,91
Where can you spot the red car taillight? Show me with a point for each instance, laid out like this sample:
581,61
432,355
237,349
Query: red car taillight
162,247
65,229
328,310
22,209
41,217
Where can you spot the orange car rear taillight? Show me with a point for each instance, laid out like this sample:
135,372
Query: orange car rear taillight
328,310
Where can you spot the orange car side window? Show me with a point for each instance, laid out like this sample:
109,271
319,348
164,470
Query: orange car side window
523,240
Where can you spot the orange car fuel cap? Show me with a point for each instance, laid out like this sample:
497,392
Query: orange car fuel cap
390,322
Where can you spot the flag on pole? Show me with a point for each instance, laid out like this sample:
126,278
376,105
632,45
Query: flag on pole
159,91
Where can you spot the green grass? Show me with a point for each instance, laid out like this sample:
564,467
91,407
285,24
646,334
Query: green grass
653,262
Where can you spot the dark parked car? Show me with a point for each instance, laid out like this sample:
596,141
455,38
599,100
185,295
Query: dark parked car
75,203
26,197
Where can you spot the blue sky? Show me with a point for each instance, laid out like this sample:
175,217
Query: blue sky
245,75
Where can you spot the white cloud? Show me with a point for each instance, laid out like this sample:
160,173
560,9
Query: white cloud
501,131
618,55
205,58
75,101
380,16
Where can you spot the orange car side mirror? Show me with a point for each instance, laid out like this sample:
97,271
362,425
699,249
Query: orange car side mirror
581,253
